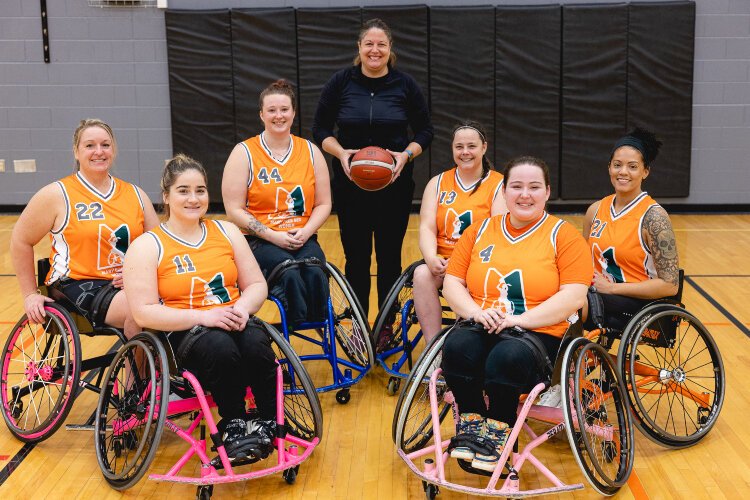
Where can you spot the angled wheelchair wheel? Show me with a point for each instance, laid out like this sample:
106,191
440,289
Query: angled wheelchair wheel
396,310
40,369
596,416
352,330
412,419
302,413
674,374
132,410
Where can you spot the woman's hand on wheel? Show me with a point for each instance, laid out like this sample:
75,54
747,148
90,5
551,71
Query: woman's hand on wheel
344,157
226,318
33,306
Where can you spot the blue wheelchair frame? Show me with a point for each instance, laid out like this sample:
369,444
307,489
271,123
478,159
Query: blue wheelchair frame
403,351
345,372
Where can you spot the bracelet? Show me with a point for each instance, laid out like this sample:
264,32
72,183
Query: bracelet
410,154
38,291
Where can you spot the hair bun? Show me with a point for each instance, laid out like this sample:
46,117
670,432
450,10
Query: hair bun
650,143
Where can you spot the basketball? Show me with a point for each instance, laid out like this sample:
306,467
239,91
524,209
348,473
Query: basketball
372,168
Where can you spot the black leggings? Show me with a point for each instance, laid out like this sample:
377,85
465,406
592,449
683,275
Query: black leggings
476,363
226,363
303,291
364,215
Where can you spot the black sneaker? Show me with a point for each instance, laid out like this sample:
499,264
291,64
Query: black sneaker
235,433
263,432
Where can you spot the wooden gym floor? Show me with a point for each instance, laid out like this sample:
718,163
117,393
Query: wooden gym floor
357,459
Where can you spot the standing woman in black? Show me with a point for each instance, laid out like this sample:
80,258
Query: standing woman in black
372,104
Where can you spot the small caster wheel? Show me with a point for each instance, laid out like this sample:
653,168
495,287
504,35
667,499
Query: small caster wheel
204,492
343,396
609,450
703,416
393,385
431,491
290,475
117,447
17,409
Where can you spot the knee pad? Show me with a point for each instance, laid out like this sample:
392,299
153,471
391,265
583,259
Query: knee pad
100,304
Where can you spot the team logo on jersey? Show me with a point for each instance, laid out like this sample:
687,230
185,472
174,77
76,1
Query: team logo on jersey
113,243
608,264
456,224
508,290
211,292
290,202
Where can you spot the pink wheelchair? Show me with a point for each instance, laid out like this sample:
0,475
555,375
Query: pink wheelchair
594,416
144,393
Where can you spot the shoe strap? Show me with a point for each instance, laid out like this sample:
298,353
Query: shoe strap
475,443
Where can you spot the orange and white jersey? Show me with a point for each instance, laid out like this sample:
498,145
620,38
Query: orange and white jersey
196,276
280,193
97,229
515,270
617,244
458,208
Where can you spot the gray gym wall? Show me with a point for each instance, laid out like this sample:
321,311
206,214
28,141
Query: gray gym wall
111,63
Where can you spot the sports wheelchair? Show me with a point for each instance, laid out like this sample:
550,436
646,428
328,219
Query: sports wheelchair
396,333
144,392
672,370
345,330
42,365
594,416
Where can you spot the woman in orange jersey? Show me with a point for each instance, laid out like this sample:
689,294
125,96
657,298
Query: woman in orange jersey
276,188
632,242
197,279
525,269
91,217
452,201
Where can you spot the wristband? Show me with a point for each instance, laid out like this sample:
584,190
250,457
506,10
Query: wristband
37,291
410,154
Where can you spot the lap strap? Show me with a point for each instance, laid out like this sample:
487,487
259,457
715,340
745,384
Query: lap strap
477,444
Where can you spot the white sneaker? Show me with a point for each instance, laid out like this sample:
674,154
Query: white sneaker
552,397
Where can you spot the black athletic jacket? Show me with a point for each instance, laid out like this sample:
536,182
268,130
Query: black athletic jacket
372,111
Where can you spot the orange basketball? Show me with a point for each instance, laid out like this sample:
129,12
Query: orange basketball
372,168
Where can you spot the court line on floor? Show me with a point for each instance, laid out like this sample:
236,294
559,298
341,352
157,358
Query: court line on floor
718,306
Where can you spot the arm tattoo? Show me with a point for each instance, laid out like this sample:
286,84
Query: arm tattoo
662,243
254,226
